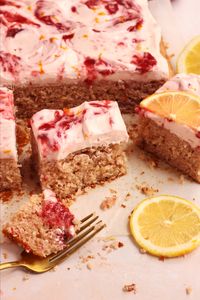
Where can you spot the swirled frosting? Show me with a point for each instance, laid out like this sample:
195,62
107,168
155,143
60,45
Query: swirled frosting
43,40
58,133
7,125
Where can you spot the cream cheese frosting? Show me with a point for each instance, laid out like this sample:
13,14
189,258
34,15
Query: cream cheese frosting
180,82
43,40
7,125
60,132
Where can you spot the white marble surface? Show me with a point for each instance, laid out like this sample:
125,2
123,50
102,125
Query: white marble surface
155,279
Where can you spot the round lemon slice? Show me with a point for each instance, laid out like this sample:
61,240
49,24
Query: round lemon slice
181,107
189,59
166,226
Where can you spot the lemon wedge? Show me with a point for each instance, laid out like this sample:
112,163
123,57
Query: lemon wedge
181,107
189,59
166,226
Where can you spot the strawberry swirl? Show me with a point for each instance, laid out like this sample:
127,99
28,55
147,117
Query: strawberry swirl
49,41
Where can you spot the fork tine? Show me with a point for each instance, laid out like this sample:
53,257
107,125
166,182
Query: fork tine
74,240
88,217
87,224
79,242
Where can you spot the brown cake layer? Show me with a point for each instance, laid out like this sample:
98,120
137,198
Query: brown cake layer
166,145
27,228
30,99
82,169
10,177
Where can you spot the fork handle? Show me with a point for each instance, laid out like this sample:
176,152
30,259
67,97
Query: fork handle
11,264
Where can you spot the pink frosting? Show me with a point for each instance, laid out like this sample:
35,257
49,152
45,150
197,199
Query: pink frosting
7,125
78,39
60,132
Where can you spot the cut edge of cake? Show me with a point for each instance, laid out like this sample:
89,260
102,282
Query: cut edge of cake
10,177
176,143
42,225
88,151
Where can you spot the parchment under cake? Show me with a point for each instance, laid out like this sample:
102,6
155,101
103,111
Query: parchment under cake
57,54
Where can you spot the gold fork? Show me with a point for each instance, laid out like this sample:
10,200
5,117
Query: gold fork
36,264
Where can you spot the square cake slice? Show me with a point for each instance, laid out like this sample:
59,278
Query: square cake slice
78,148
42,225
173,133
10,177
80,50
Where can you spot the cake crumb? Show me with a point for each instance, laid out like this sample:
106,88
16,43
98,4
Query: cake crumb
161,258
188,290
127,196
25,277
146,190
129,288
120,244
112,246
181,179
90,266
108,202
86,258
143,251
14,288
5,255
122,205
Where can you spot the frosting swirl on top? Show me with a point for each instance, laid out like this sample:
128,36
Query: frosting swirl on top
60,132
54,40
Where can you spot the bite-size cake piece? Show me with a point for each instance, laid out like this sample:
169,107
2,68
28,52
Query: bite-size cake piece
170,123
79,147
42,225
79,50
10,177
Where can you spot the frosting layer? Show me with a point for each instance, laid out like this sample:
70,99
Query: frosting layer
43,40
180,82
60,132
7,125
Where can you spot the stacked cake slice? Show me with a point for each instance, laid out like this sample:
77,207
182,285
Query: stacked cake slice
170,123
9,170
78,148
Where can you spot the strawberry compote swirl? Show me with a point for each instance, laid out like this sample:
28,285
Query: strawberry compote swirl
58,133
43,40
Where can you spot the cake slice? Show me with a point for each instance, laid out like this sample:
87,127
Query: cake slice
78,148
42,225
10,177
80,50
170,123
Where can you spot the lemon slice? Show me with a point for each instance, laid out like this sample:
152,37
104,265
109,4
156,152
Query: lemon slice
181,107
189,59
166,226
